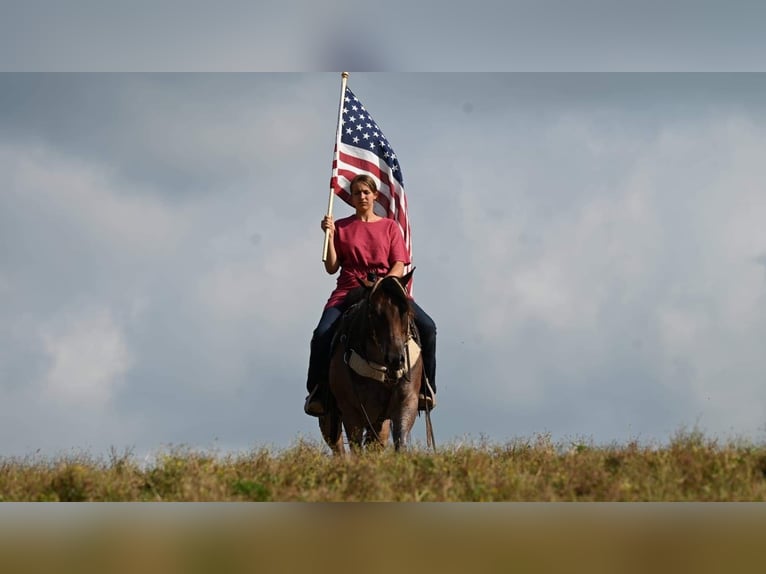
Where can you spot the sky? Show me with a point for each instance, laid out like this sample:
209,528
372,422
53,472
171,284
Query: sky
402,35
592,248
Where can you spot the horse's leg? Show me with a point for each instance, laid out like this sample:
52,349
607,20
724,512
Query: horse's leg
403,425
378,434
332,430
354,433
354,424
385,432
400,435
406,409
342,393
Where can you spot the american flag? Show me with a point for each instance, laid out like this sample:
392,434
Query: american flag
364,149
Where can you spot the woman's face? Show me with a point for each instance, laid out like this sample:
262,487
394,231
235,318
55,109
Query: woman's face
362,197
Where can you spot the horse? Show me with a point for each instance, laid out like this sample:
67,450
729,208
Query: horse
375,368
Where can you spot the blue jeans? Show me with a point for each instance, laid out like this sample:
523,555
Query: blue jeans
321,340
427,329
319,358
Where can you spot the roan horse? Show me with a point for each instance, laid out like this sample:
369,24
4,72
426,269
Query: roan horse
375,368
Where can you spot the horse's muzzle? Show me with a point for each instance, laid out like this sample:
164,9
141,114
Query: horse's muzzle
395,360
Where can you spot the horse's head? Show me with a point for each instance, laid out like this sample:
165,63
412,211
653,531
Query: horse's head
389,313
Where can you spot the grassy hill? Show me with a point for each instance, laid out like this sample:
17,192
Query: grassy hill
690,467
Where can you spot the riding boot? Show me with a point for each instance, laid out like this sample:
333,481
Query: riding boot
316,402
427,396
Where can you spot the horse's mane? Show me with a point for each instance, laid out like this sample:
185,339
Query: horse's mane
356,295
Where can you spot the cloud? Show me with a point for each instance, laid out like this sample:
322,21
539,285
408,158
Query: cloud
85,199
596,283
88,360
172,135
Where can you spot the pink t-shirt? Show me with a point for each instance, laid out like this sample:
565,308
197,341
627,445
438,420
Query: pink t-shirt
365,247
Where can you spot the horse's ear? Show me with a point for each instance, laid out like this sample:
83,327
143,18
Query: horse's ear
406,278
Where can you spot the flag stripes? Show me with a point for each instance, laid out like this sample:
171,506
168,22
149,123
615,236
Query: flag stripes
365,150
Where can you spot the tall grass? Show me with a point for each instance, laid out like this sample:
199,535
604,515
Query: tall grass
690,467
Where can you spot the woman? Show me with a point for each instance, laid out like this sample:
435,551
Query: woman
361,244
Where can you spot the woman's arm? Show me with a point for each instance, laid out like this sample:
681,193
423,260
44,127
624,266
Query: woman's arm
397,269
331,264
397,250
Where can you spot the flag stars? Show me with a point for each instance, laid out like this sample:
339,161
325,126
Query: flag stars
359,129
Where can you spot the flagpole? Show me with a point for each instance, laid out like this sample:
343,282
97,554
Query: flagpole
338,133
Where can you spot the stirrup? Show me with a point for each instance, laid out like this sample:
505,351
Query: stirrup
427,400
314,406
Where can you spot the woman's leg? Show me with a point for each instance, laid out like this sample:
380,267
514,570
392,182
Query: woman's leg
319,358
427,329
